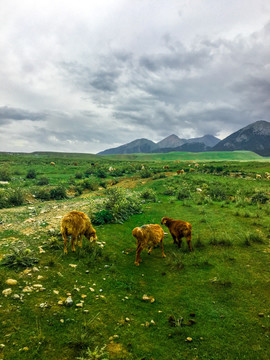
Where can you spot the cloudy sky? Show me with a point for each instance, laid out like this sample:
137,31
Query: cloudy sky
87,75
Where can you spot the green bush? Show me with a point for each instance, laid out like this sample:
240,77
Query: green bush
101,173
15,197
20,257
118,206
149,194
43,194
260,197
3,200
43,181
31,174
145,173
78,175
102,217
58,193
5,174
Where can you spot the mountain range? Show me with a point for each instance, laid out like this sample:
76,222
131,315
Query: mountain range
254,137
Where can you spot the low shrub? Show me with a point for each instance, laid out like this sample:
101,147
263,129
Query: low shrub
149,195
78,175
42,194
58,193
20,257
145,173
260,197
117,207
102,217
5,174
43,181
31,174
15,197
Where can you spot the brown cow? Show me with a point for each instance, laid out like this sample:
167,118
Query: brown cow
148,236
178,230
76,224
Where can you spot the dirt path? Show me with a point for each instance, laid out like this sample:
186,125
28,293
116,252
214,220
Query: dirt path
46,216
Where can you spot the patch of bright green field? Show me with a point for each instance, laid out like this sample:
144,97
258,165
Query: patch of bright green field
212,303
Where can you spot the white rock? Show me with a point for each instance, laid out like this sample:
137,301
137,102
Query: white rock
11,282
7,292
69,301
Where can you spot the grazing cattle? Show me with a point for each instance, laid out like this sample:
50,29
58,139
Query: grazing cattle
258,176
148,236
165,167
178,172
111,169
178,230
75,164
76,224
191,169
52,163
181,172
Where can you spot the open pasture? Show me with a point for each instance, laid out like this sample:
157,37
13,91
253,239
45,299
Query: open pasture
212,303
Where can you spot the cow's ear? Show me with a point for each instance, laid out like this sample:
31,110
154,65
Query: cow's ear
163,221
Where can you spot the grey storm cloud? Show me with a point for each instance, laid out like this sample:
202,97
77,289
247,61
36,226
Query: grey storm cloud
85,78
8,114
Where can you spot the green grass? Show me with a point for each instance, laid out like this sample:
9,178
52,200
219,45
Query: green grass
218,295
185,156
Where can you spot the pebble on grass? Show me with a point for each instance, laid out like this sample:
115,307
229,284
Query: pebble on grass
11,282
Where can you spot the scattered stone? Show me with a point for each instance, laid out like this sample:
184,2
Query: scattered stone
73,265
25,348
38,286
16,297
87,271
83,296
60,302
151,299
62,321
11,282
127,319
86,311
69,301
41,251
79,305
2,346
59,274
91,289
56,292
7,292
261,314
40,277
27,271
188,339
43,305
35,269
152,322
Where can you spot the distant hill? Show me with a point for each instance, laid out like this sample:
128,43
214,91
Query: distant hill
254,137
170,143
136,146
208,140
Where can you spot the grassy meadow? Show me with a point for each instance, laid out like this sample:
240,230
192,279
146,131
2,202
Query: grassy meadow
212,303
